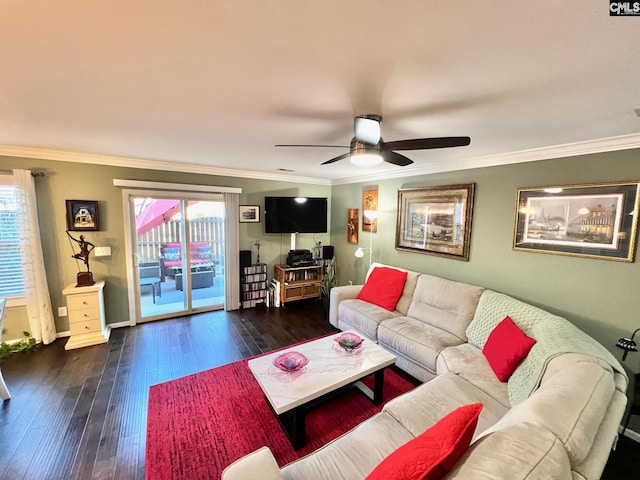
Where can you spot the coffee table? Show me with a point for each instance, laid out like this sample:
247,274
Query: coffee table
330,371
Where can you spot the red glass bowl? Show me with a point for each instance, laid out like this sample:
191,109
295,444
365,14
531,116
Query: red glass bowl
290,361
349,341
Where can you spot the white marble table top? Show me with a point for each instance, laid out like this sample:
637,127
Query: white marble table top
329,368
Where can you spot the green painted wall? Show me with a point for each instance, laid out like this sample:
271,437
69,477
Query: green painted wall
599,296
65,180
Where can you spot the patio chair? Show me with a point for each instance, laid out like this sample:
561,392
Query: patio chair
150,276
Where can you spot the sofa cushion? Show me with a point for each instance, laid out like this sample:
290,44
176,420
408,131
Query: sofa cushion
571,403
468,362
362,316
521,452
383,287
352,455
409,286
423,406
258,464
416,340
505,348
445,304
171,253
434,452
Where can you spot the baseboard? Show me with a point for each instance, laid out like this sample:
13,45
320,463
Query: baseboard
118,325
63,334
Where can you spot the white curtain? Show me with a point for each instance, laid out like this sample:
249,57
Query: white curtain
39,310
231,251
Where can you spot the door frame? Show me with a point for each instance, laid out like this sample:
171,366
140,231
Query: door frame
133,287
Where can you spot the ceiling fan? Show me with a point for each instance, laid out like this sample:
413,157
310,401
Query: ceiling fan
367,147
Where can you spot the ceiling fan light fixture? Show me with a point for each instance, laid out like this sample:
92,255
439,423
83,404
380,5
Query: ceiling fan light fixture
367,128
363,155
366,159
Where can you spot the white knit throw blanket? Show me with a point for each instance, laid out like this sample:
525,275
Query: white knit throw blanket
554,336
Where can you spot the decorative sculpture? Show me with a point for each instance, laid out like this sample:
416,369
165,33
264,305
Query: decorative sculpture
84,279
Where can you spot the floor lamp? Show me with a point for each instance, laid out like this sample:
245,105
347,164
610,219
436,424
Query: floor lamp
359,253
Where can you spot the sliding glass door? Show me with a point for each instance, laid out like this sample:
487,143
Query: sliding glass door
178,247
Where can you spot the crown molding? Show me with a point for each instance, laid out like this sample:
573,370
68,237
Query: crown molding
611,144
129,162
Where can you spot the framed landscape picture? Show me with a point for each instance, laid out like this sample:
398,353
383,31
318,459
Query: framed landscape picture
593,221
82,215
435,220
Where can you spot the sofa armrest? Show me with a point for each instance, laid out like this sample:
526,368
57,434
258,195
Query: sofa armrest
258,464
338,294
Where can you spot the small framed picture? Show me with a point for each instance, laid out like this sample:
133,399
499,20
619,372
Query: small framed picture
352,225
249,213
83,215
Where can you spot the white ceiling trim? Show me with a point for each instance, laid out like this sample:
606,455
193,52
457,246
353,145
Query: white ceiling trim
612,144
129,162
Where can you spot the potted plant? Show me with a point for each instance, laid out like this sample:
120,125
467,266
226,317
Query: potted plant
328,282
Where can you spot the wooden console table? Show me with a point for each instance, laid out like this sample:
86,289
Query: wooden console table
297,283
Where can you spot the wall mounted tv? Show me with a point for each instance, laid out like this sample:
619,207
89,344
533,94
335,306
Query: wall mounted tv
295,215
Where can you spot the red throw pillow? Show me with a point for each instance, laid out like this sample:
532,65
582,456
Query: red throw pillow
432,454
383,287
506,347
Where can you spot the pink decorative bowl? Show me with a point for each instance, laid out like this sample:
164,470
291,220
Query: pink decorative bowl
349,341
290,361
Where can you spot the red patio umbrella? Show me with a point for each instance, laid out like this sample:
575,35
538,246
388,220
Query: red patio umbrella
155,213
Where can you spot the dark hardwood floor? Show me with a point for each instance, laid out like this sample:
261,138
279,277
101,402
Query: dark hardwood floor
81,414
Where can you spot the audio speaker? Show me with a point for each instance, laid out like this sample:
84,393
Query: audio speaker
327,251
245,259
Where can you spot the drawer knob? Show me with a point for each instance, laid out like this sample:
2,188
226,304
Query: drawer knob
86,327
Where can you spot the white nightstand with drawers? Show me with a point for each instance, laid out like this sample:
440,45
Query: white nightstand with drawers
85,307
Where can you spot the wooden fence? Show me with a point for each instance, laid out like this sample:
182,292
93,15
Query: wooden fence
208,229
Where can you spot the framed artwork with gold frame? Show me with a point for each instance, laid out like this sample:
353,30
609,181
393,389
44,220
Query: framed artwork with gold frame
592,220
435,220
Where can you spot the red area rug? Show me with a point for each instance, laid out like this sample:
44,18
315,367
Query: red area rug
199,424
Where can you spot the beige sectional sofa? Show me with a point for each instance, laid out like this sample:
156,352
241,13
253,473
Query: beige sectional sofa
557,417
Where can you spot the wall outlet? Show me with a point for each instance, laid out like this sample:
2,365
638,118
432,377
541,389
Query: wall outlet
62,311
102,251
350,282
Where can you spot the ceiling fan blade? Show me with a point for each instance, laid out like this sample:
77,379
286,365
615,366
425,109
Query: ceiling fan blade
427,143
395,158
317,146
341,157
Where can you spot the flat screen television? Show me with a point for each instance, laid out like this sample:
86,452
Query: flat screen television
295,215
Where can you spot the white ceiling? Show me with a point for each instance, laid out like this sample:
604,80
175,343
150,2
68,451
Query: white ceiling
203,85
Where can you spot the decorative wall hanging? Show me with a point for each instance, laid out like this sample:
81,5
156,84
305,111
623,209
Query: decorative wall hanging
370,210
352,225
591,220
435,220
249,214
82,215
